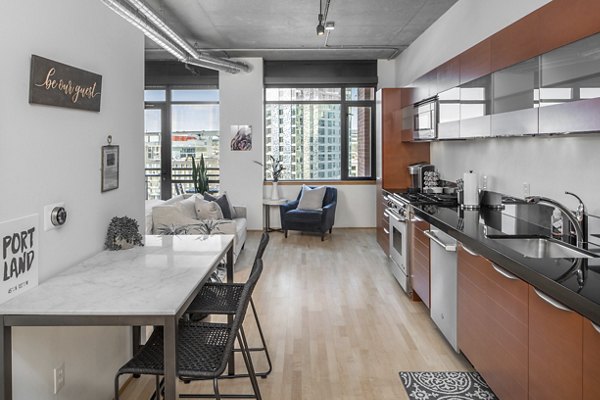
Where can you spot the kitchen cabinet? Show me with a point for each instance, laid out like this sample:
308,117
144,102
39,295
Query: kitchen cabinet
570,74
591,360
555,349
493,324
419,259
448,75
392,154
557,19
408,113
514,110
475,62
475,107
395,154
517,42
383,223
449,114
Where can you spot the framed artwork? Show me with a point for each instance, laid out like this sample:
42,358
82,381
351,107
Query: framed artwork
241,138
110,167
19,256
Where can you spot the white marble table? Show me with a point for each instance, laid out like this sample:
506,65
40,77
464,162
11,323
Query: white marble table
150,285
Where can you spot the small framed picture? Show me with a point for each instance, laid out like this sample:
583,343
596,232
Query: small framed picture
110,167
241,137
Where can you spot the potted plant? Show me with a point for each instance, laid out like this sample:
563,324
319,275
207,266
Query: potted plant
199,175
123,233
277,168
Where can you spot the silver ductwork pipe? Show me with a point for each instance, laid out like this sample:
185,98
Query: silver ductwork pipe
159,32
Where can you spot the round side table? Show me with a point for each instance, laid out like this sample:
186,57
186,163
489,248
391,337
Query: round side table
267,204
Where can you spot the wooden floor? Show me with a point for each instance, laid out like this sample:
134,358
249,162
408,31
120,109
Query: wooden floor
337,323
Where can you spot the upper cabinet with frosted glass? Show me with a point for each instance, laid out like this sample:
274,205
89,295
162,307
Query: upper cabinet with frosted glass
555,93
569,95
514,107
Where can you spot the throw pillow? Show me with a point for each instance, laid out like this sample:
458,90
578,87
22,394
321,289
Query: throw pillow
166,218
208,209
223,202
188,206
311,198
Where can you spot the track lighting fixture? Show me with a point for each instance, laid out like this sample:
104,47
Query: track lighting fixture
320,27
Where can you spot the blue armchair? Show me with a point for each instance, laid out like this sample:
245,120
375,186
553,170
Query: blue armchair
310,220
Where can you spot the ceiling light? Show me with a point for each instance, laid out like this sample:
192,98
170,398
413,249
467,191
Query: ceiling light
329,26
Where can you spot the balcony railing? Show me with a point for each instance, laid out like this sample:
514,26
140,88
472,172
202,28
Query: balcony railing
179,175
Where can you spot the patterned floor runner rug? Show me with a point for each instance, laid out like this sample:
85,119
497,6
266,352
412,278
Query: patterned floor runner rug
446,386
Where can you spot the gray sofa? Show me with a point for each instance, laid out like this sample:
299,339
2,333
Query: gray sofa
177,216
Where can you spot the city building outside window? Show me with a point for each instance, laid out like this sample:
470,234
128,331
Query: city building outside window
180,123
306,126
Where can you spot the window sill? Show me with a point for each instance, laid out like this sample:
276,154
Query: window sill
321,183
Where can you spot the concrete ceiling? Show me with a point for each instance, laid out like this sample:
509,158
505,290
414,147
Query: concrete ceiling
286,29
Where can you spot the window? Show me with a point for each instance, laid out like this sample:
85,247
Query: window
310,125
194,131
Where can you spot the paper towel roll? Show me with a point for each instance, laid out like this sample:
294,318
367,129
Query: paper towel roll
471,192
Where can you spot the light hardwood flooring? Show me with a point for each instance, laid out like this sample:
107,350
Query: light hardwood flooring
337,324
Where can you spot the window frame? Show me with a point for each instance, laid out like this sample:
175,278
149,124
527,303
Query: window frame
344,106
166,107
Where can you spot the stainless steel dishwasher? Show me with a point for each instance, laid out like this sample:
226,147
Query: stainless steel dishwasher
443,284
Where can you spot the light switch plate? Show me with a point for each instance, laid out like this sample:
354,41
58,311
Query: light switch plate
48,225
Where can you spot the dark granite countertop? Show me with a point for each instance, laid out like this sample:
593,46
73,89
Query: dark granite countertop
555,277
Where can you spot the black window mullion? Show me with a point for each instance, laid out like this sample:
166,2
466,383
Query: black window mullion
166,190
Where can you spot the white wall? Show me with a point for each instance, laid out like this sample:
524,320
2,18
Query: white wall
355,205
386,73
550,165
50,154
462,26
242,103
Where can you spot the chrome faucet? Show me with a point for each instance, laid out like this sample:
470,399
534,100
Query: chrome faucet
578,220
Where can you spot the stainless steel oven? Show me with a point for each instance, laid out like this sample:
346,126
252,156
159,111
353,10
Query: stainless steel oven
397,212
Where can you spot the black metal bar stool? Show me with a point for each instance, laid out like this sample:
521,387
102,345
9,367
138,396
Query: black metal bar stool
223,298
203,350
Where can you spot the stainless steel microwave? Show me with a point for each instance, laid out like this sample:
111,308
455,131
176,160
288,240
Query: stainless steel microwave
425,119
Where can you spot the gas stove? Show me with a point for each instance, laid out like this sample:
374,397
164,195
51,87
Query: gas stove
419,199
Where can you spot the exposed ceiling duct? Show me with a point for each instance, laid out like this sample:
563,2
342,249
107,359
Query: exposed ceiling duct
143,18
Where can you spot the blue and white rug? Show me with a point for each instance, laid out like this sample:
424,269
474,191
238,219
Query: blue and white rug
446,386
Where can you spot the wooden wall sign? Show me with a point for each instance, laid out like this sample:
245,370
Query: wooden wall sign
55,84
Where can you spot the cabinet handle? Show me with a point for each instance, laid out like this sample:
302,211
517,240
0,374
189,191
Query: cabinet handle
551,301
502,272
433,237
471,252
385,214
386,231
596,327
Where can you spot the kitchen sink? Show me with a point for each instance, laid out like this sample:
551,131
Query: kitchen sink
541,247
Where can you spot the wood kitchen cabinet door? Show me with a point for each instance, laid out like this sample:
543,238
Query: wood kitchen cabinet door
419,259
555,351
557,20
517,42
493,324
476,61
591,361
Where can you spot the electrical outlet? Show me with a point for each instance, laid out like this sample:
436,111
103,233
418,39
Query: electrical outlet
59,377
526,190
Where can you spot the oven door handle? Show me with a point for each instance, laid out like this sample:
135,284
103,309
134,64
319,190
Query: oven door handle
393,215
431,235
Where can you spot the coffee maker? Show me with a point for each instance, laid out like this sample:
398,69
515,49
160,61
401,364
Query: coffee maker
417,173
